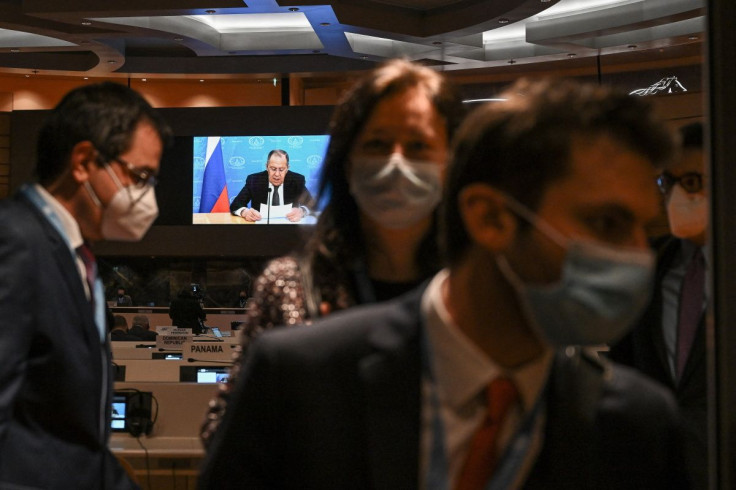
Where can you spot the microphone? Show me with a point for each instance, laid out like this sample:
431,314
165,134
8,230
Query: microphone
268,196
192,359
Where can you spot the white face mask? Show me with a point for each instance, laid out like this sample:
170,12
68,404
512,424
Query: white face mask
394,191
687,213
130,213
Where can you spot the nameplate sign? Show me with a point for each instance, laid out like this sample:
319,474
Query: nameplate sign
172,330
173,340
208,351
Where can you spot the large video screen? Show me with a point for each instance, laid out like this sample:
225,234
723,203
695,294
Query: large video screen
221,166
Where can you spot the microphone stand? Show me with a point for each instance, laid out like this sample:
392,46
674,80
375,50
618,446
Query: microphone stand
268,216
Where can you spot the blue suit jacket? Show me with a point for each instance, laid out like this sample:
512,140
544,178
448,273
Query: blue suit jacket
337,405
55,376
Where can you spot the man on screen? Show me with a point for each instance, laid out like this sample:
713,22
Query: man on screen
276,184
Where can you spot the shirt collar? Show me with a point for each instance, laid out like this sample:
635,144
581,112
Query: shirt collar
69,225
461,369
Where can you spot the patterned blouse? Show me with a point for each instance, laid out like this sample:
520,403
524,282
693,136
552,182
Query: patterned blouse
280,298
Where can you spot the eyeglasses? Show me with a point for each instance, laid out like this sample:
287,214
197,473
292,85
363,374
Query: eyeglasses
691,182
141,177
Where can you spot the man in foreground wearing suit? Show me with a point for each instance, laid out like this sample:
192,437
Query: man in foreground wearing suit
98,155
473,380
276,183
661,345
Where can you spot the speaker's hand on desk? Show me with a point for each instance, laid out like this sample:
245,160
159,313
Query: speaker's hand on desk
295,215
250,214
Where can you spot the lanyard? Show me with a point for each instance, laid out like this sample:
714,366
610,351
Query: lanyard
512,459
99,292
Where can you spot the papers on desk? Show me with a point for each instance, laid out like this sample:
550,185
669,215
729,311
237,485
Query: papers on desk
278,215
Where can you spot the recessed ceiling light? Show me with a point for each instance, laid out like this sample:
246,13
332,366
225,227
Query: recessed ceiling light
201,80
210,11
293,9
571,55
178,39
86,23
15,50
144,79
503,20
631,46
28,76
86,78
112,62
693,38
363,57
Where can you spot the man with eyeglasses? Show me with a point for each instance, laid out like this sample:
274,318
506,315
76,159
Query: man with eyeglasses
98,154
276,185
668,344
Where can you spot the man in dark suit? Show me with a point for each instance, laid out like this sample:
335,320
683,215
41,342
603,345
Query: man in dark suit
471,380
276,184
657,346
98,154
142,329
123,299
119,332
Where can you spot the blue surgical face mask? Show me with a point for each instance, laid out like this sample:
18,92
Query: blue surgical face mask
602,289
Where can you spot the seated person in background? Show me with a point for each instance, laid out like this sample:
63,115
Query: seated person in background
242,299
186,311
119,330
123,299
141,328
283,187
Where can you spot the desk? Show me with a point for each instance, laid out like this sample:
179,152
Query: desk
218,219
229,219
166,463
159,315
173,452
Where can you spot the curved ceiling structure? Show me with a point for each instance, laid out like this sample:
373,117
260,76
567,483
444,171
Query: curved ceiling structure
189,37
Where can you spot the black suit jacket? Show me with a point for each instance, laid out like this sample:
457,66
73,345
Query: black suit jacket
255,191
55,376
643,348
337,405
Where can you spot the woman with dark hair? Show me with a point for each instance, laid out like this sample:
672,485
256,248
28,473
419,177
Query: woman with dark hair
382,181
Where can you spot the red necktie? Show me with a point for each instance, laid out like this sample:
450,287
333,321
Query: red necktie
692,294
89,264
482,456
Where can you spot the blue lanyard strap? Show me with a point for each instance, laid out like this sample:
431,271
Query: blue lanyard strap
512,460
438,469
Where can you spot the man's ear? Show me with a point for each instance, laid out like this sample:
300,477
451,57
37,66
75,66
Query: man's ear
486,216
83,155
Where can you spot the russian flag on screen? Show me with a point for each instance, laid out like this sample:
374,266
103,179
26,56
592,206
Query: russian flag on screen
214,197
